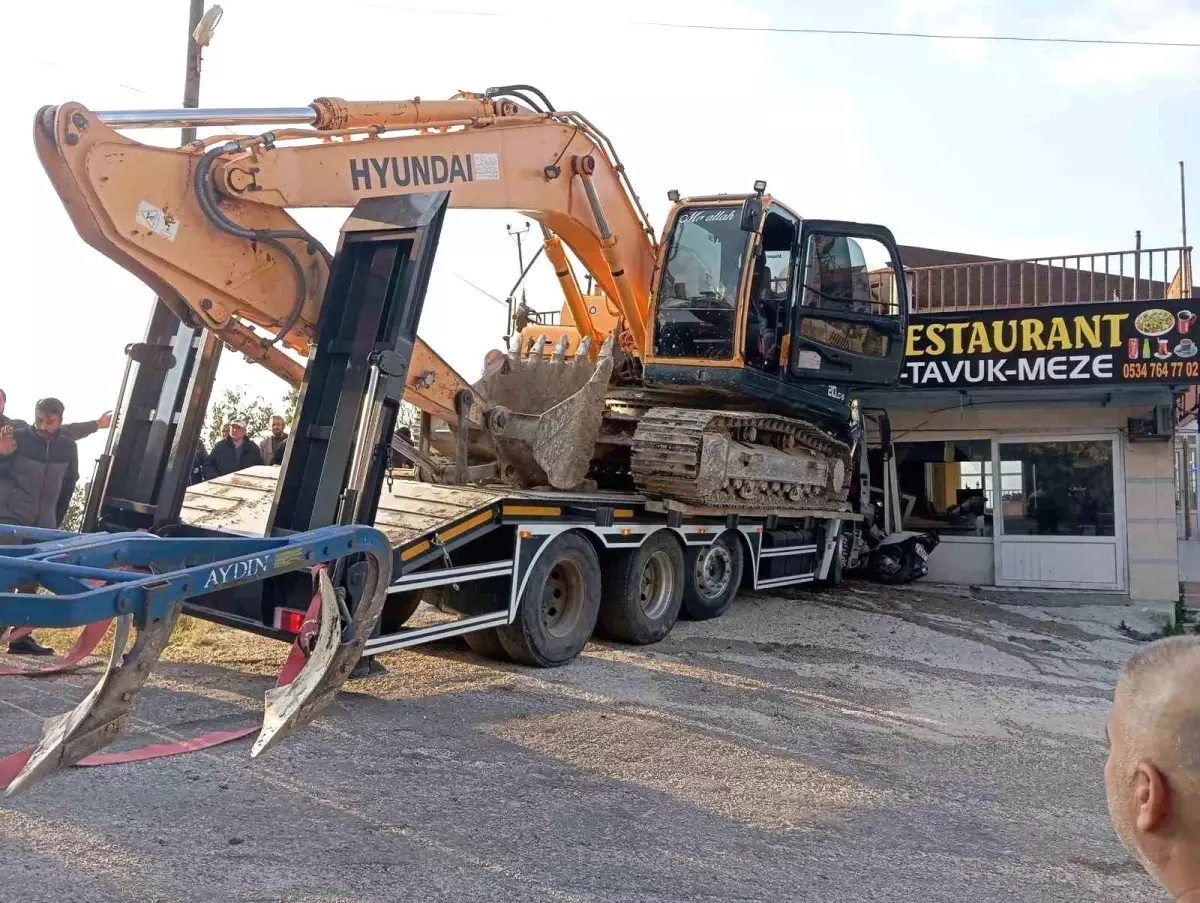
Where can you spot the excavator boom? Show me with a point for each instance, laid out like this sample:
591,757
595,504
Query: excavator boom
207,227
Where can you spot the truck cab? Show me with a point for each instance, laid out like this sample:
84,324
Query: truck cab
756,303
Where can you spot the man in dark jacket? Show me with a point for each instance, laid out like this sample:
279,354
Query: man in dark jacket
198,459
232,454
39,468
76,431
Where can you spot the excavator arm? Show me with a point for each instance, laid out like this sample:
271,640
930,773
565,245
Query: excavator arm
206,226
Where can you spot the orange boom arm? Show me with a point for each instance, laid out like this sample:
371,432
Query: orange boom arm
206,226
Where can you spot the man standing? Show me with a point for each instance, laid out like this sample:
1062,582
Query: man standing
232,454
272,445
1152,776
39,468
74,431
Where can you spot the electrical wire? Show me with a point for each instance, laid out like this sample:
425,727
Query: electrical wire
929,35
835,32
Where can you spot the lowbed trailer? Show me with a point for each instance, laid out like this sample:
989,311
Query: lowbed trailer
330,552
497,554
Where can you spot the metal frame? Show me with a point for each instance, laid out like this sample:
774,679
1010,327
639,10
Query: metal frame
182,569
626,534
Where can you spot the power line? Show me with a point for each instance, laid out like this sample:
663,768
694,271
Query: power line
937,36
835,32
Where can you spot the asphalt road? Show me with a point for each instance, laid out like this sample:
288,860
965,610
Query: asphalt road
863,744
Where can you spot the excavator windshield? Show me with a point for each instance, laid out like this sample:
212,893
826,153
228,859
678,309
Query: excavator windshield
697,304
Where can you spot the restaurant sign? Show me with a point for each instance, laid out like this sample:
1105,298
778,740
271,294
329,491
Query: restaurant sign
1090,344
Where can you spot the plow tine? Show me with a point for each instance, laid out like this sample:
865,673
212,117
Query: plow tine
100,717
333,656
284,704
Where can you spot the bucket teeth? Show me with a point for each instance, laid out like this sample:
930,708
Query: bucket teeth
560,349
606,350
584,351
538,349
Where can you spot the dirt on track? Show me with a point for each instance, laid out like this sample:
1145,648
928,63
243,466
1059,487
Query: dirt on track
860,744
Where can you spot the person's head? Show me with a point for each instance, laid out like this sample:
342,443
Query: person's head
3,400
1152,776
47,416
225,431
237,432
277,426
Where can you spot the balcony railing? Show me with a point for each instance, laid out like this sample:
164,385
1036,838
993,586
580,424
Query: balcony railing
1068,279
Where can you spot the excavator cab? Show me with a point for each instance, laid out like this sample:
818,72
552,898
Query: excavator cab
757,304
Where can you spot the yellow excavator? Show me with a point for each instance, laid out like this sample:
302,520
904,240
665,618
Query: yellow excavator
686,428
717,371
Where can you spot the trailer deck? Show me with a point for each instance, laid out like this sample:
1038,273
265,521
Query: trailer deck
445,537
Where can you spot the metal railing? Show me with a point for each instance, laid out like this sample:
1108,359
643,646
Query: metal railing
1067,279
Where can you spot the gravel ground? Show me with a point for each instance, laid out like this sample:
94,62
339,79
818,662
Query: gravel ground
862,744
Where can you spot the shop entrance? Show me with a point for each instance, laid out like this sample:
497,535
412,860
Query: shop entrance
1021,511
1058,519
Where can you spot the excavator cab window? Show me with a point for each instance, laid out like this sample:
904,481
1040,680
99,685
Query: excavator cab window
697,301
850,313
770,289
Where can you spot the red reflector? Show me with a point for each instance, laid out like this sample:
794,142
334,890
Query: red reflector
289,621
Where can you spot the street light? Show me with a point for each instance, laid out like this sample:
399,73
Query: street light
203,32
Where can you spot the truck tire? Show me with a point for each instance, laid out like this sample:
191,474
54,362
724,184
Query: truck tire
398,608
558,607
643,590
486,643
712,575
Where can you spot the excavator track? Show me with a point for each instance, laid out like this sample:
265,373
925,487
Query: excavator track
734,459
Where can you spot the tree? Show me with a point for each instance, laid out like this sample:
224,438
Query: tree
290,402
74,517
253,411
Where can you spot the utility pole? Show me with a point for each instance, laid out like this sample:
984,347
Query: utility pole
201,26
518,234
191,81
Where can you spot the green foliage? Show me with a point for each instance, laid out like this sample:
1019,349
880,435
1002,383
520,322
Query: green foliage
237,404
290,402
74,516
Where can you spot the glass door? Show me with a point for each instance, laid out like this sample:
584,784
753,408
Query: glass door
1058,517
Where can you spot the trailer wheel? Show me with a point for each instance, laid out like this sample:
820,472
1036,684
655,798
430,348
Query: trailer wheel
398,608
712,577
486,643
558,607
643,590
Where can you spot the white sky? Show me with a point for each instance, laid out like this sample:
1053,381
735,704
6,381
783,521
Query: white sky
1001,149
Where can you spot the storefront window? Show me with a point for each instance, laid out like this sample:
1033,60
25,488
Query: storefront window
1064,488
951,483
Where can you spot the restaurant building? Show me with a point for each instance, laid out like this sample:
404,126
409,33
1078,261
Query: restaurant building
1033,426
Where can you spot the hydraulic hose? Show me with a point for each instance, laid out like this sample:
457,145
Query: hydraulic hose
514,89
207,197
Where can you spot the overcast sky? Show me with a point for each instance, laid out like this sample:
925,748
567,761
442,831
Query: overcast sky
1003,149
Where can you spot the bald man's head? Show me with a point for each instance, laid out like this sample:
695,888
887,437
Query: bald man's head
1153,771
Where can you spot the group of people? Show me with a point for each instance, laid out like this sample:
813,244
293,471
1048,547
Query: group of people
39,468
234,452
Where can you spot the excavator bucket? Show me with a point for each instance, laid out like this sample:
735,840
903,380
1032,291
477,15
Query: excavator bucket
544,413
150,603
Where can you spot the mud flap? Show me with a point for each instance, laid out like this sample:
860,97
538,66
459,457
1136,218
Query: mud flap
103,713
